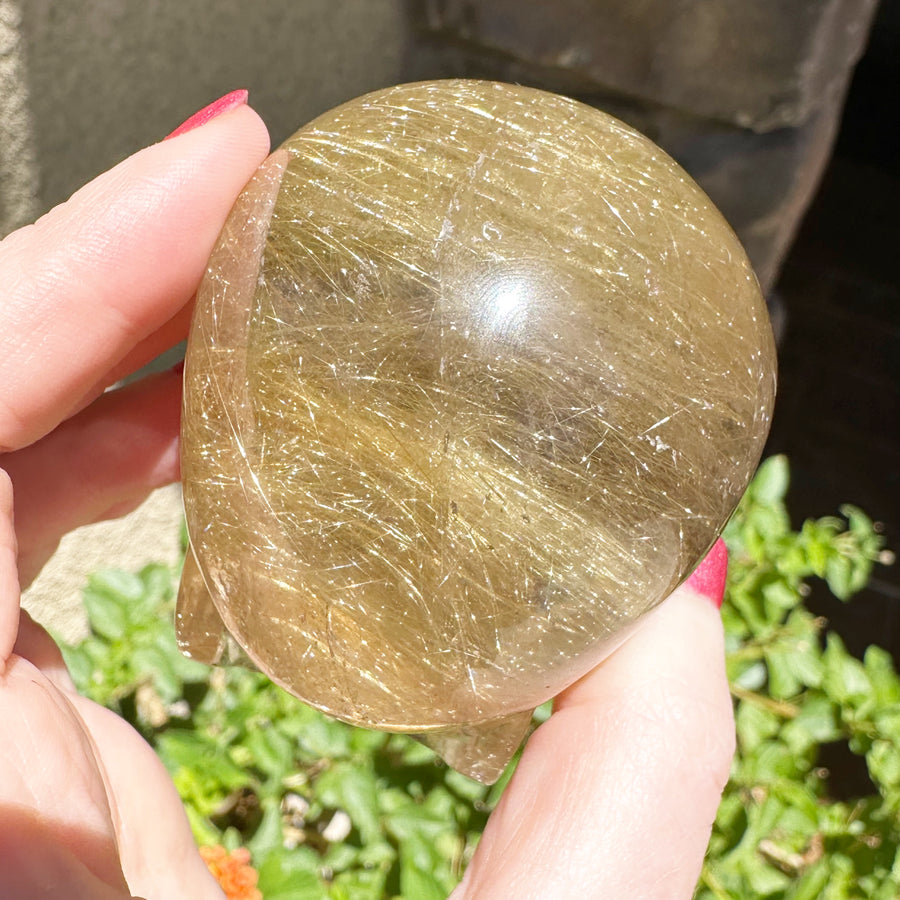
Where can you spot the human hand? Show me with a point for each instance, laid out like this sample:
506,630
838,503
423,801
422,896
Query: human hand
615,794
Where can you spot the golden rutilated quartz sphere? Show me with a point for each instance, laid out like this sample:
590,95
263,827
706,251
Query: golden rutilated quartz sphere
476,376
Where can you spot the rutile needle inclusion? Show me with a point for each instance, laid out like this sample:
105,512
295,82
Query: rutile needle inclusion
476,376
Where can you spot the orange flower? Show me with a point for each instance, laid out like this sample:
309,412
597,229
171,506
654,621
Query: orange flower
233,872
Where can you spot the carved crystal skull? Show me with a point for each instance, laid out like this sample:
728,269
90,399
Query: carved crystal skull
475,378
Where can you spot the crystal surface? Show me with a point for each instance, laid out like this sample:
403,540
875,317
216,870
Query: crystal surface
476,376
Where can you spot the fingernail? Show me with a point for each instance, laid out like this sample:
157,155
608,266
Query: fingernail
216,108
178,368
708,578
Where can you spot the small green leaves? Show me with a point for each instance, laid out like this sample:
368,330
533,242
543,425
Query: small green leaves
780,832
770,485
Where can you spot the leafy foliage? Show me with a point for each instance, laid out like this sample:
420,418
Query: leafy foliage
783,831
332,812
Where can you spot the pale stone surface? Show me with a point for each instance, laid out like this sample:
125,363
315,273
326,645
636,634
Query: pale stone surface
149,534
482,393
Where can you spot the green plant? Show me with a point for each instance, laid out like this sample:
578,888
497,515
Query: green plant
331,812
781,831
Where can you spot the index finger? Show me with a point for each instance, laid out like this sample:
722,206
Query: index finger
99,274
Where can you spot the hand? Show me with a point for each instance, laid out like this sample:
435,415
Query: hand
615,794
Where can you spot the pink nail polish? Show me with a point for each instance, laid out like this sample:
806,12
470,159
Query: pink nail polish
216,108
708,578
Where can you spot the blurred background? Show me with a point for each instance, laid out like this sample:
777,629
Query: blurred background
783,110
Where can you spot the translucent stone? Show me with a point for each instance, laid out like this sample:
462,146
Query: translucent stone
476,376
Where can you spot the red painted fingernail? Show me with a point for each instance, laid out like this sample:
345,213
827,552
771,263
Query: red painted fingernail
178,368
708,578
222,105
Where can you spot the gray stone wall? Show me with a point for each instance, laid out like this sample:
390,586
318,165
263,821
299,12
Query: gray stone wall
102,78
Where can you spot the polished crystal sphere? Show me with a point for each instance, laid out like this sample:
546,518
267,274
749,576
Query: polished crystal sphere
476,376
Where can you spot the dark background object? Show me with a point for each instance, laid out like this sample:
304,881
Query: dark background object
838,409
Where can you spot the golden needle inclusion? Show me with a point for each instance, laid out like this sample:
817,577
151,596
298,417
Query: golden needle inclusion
476,376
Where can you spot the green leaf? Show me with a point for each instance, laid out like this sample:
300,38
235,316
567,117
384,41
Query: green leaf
771,481
291,875
157,587
765,880
811,883
340,857
123,588
156,663
783,682
354,789
882,675
780,597
105,612
839,575
887,721
366,742
816,723
324,738
805,662
465,787
845,678
802,807
272,752
269,835
418,862
412,820
360,884
754,725
752,677
884,764
199,754
79,664
187,669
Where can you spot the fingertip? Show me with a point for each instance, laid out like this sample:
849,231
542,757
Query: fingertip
219,107
638,752
239,127
709,578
